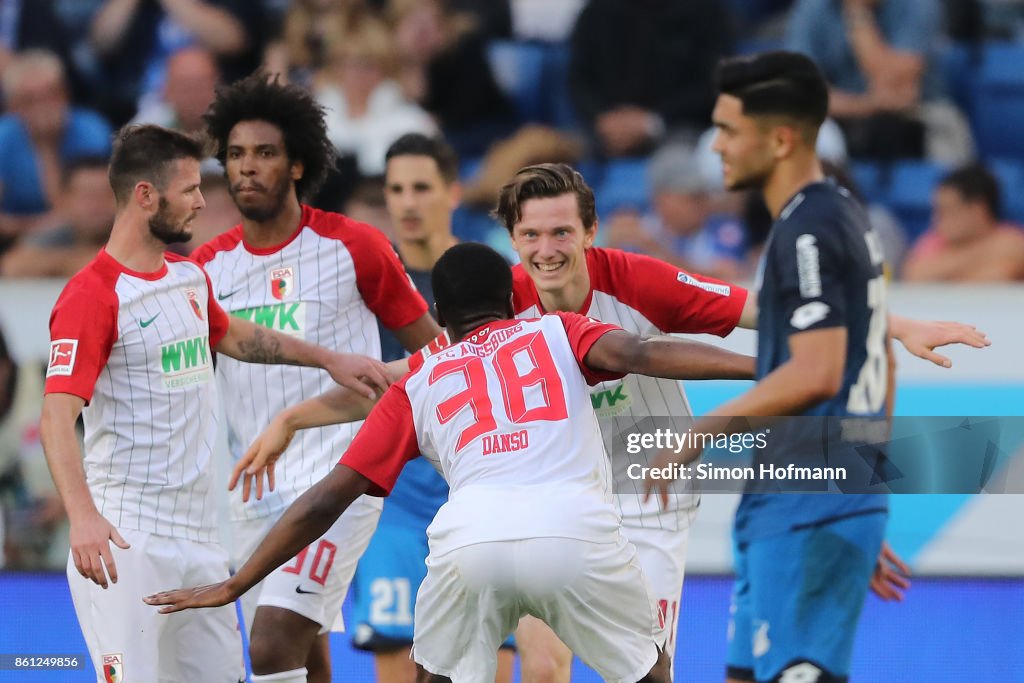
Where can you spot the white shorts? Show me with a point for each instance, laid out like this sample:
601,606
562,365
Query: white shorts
314,583
593,595
661,542
129,640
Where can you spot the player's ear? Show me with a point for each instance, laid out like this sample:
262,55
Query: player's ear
784,139
440,318
589,235
454,195
511,310
298,168
145,194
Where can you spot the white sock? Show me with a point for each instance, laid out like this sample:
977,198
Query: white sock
293,676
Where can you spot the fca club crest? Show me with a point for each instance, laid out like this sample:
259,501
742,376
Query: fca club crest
113,668
282,282
193,301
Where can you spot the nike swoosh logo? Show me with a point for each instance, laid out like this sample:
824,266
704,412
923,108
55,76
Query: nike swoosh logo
298,589
147,323
221,297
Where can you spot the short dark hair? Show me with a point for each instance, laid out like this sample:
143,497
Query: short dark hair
471,279
291,109
976,183
86,162
778,83
419,145
145,153
540,182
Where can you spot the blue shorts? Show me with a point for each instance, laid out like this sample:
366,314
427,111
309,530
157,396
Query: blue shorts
797,599
387,579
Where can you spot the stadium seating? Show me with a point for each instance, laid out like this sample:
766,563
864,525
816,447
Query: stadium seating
519,69
910,192
997,100
623,186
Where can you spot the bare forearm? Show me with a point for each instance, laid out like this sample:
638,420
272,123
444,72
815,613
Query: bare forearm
684,359
251,343
111,22
302,523
60,445
214,27
337,406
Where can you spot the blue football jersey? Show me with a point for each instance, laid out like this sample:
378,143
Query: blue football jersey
822,268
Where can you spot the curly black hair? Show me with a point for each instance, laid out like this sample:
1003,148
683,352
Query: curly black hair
291,108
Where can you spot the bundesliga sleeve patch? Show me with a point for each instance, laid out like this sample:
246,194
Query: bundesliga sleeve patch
62,357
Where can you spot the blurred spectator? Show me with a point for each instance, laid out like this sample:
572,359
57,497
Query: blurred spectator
642,70
968,242
219,215
683,229
87,210
309,26
27,493
365,108
368,205
880,58
40,133
444,67
530,145
192,78
27,25
135,38
550,21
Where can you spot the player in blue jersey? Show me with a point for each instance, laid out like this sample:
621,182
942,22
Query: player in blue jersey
804,563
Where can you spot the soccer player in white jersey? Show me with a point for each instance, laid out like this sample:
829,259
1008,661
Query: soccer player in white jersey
314,275
529,527
132,342
549,211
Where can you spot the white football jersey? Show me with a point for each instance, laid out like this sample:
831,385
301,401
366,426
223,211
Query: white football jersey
325,284
138,348
506,416
644,296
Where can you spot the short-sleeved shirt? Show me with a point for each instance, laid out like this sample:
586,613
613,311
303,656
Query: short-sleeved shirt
822,268
138,348
86,134
420,491
644,296
817,29
505,414
327,284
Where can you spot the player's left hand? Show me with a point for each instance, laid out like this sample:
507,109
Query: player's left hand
213,595
361,374
921,337
890,578
259,460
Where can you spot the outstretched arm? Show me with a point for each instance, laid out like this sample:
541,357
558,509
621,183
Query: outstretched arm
246,341
305,521
337,406
622,352
921,337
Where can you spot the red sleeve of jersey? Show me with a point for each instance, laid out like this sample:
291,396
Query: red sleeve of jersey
381,278
381,459
83,329
439,343
672,299
219,320
582,333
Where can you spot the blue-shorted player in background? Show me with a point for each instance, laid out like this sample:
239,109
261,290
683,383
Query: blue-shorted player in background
804,562
421,190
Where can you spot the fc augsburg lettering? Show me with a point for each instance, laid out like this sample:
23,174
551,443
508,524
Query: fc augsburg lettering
185,362
289,318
